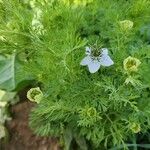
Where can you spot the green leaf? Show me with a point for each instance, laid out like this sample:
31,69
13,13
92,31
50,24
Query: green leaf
12,73
7,72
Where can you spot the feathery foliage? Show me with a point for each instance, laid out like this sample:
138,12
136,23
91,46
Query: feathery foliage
98,110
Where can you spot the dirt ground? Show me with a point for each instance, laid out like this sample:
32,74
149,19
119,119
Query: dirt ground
21,137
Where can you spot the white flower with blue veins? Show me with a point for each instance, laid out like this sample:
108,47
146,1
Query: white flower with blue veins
96,59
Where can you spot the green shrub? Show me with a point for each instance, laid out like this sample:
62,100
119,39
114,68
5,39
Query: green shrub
98,110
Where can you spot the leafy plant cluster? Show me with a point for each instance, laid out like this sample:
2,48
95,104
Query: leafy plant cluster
43,42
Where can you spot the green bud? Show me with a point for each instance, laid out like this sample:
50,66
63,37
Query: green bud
35,95
91,112
131,64
126,25
135,127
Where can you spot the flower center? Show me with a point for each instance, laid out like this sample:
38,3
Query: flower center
95,51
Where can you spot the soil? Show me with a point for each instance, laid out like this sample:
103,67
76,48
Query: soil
20,135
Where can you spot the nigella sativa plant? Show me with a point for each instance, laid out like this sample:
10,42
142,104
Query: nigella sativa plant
95,61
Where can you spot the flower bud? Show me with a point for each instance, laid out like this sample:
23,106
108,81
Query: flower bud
35,95
126,25
135,127
131,64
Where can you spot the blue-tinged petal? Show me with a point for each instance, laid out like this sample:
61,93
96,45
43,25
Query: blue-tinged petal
85,61
88,50
104,51
106,61
94,66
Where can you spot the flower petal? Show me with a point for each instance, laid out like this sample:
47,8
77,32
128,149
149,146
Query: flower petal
87,50
85,61
106,61
94,66
104,51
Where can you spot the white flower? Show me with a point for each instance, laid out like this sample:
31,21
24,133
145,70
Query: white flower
94,62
